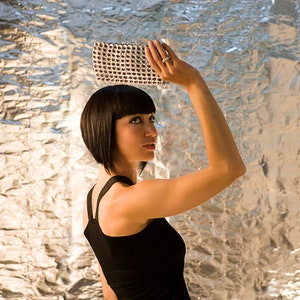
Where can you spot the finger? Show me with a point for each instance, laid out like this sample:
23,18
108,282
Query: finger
171,53
165,57
156,53
161,50
151,60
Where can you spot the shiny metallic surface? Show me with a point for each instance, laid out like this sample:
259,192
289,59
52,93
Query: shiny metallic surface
244,243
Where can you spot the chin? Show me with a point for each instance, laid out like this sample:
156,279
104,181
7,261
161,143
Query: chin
147,159
150,159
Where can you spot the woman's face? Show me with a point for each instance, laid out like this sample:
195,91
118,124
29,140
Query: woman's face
135,138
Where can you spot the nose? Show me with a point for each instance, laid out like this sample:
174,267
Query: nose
150,130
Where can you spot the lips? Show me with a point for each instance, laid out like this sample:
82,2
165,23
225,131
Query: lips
149,146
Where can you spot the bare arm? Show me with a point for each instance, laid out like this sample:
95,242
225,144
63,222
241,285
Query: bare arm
220,146
108,293
160,198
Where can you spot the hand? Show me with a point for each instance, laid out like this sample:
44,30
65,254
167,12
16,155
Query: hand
174,69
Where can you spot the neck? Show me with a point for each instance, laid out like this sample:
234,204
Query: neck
131,175
128,171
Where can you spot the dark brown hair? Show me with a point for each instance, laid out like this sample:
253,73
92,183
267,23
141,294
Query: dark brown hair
99,117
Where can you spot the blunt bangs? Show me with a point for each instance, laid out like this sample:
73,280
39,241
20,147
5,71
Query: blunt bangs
130,100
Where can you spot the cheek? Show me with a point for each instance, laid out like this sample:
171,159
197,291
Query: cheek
126,139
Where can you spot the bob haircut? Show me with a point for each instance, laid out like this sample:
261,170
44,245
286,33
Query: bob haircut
99,116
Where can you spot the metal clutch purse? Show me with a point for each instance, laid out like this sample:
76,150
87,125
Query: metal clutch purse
123,64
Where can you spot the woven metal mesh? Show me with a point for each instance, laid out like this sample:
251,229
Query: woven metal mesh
123,64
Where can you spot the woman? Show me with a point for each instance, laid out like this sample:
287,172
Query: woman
140,255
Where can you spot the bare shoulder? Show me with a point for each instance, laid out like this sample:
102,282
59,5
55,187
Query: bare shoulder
157,198
126,210
115,212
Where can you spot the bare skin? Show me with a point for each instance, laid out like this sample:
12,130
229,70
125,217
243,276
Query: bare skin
126,210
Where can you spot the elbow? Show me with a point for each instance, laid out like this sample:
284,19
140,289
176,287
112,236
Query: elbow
234,170
240,170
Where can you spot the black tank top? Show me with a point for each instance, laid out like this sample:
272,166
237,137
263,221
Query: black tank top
147,265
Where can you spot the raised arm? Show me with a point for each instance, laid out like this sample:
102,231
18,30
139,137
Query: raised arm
222,152
159,198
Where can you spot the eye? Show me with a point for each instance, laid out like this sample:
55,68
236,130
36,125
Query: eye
135,120
152,119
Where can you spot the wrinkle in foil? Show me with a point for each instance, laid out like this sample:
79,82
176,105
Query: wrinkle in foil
244,243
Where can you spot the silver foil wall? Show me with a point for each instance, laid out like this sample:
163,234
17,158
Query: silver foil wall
242,244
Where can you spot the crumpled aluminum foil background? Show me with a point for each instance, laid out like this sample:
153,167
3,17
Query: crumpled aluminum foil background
242,244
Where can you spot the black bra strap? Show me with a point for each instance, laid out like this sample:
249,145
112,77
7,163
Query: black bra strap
89,204
107,186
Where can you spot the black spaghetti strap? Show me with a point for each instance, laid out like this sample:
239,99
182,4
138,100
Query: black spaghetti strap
107,186
89,204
